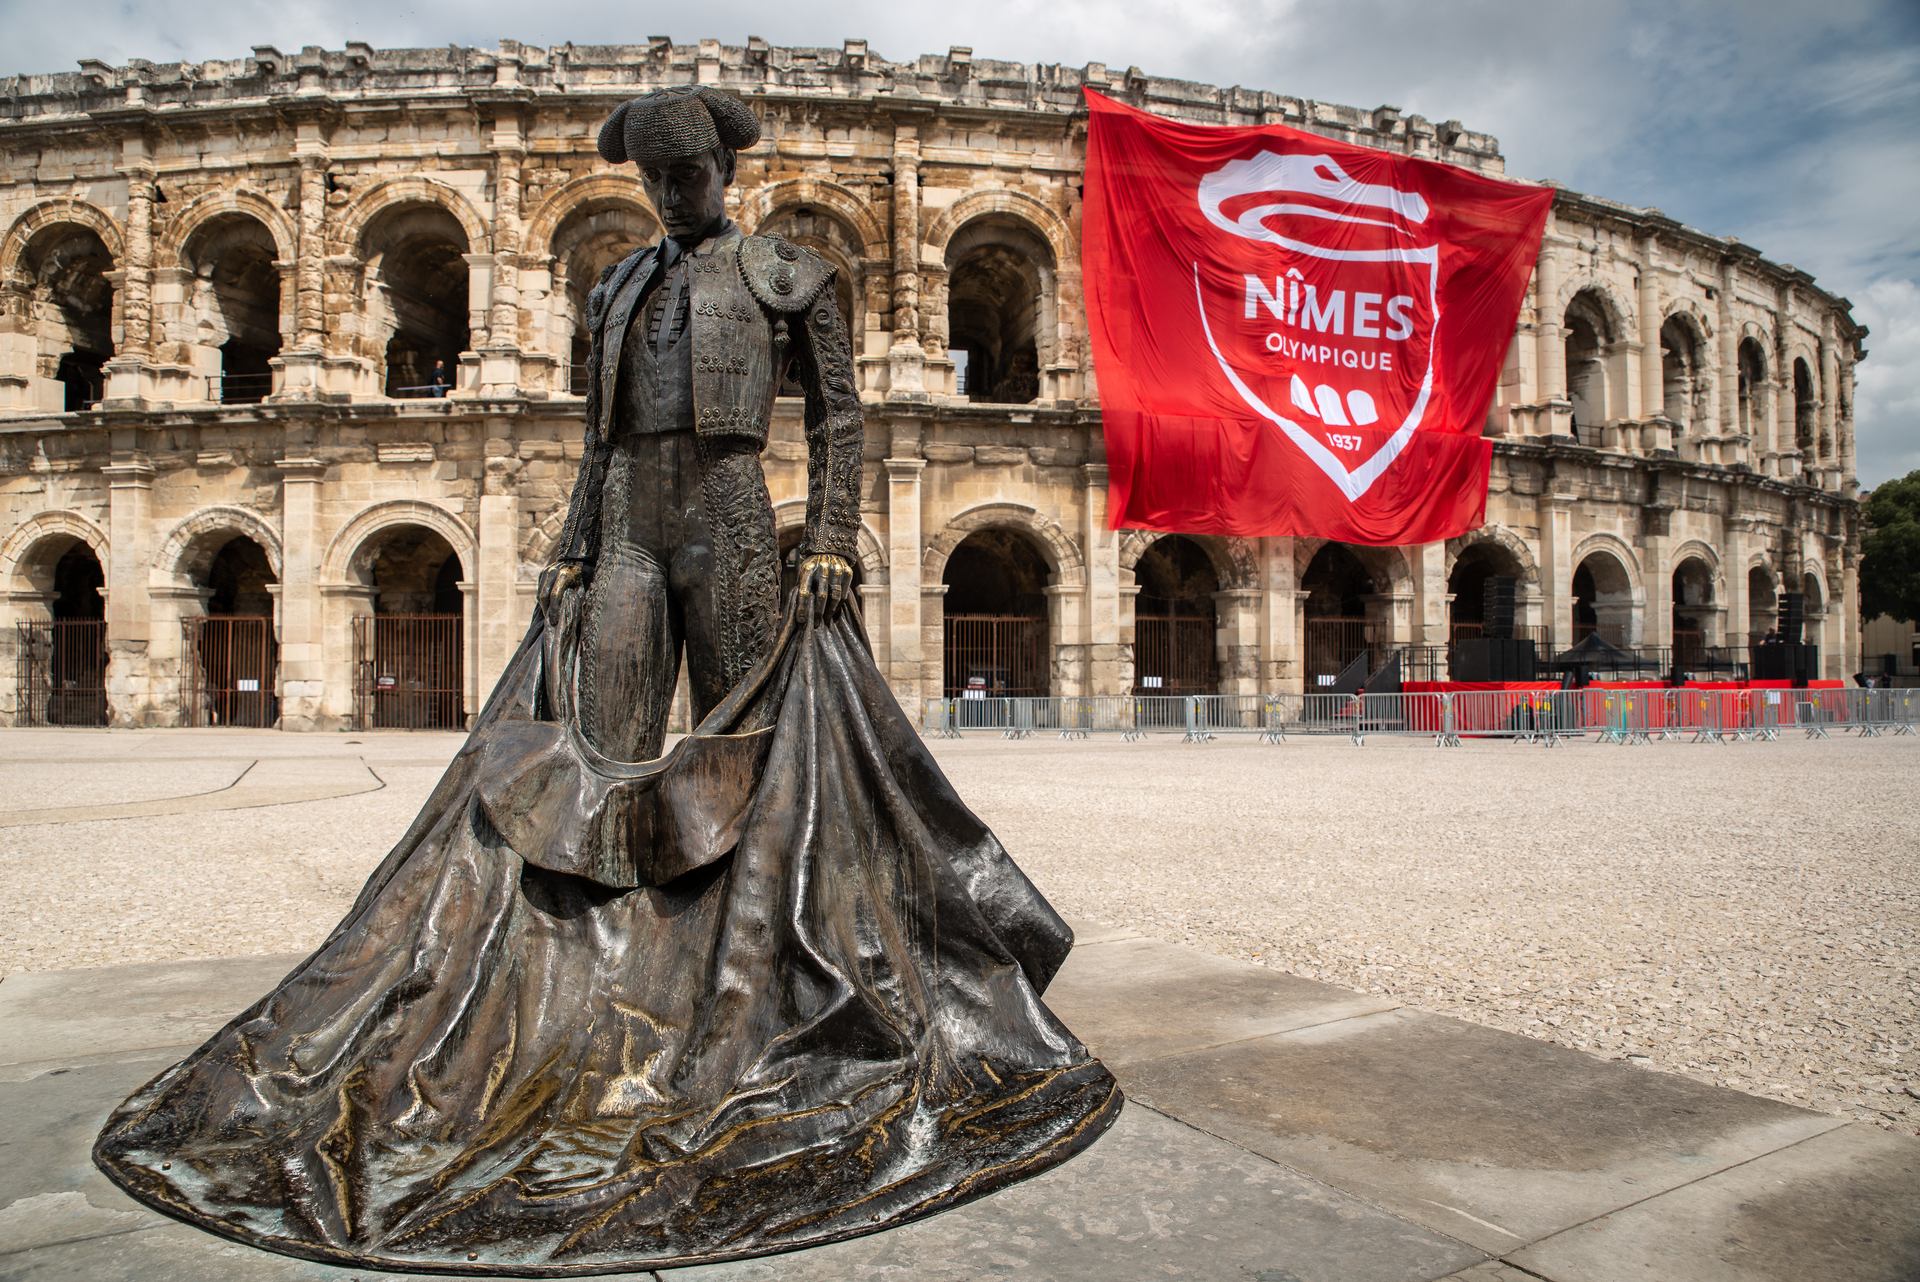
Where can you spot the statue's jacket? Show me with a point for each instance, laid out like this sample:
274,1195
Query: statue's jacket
759,307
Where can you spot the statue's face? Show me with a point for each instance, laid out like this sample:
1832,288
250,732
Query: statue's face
690,194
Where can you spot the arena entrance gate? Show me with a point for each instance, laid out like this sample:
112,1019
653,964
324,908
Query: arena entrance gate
61,672
408,672
230,672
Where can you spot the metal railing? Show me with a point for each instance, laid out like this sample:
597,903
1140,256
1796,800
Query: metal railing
1544,716
239,389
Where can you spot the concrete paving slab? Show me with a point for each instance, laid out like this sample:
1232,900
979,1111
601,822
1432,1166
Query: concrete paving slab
67,1014
267,782
1152,1199
1134,999
49,1190
1088,931
1496,1139
1492,1271
1841,1207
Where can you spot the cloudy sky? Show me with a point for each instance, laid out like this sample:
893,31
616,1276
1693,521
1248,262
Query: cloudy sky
1792,125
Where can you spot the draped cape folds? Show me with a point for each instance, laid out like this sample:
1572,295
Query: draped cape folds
778,988
1296,335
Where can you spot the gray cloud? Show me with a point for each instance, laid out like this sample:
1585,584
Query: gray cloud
1785,124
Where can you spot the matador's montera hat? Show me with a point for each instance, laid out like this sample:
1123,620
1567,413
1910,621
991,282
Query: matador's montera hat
672,124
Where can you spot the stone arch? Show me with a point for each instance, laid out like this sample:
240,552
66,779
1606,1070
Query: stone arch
1616,310
336,567
1062,553
1690,313
868,550
1502,537
187,544
16,552
48,213
212,205
1235,561
1620,550
857,214
359,215
1387,566
1696,549
1039,216
589,189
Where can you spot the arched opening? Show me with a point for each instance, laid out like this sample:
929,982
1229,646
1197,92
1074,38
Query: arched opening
1751,416
1589,340
416,255
591,238
1683,390
71,310
789,546
1806,412
1602,600
1477,569
231,657
409,653
996,618
1763,606
1692,612
61,658
1340,623
235,305
999,299
1176,619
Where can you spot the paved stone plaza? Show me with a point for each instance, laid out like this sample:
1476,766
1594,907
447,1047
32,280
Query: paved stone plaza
1273,941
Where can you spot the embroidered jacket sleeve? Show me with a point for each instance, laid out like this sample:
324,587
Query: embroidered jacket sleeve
835,431
580,537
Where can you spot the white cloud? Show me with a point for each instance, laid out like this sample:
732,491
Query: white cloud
1887,407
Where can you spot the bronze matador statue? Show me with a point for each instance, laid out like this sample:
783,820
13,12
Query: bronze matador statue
689,340
605,1008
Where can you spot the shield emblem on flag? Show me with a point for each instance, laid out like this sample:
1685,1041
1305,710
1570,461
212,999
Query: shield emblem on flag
1296,335
1329,331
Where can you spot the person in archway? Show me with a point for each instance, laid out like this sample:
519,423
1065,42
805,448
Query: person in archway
439,380
604,1012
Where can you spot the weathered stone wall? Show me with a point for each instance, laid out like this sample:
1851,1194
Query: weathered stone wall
451,199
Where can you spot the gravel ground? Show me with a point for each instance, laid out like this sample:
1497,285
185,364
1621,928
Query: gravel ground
1747,915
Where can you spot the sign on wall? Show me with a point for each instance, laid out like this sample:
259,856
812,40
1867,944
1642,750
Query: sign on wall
1293,335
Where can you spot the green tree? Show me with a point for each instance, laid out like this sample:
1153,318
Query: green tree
1890,552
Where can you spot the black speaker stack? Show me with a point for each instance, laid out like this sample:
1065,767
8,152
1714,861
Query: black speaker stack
1793,617
1496,654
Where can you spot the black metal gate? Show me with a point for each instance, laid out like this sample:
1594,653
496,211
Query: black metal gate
1333,643
60,672
408,672
1174,654
229,672
997,655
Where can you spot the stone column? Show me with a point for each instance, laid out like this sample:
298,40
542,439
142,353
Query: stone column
133,290
906,670
1782,424
1653,374
1549,345
129,480
906,358
1556,566
1657,578
933,639
1730,362
1280,656
1237,639
300,363
1828,434
499,356
1067,626
302,621
500,623
1430,594
1104,675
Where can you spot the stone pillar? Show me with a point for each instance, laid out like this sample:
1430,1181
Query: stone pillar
1656,576
133,291
1843,430
1067,629
1556,566
1781,410
129,480
1430,594
933,640
907,660
1549,344
1237,639
499,622
303,685
470,686
300,362
1104,675
906,358
500,350
1829,375
1280,655
1730,361
1847,657
1653,374
1733,563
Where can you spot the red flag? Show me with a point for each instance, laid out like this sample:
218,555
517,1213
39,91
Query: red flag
1295,335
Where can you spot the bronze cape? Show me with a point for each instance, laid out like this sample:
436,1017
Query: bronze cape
816,1014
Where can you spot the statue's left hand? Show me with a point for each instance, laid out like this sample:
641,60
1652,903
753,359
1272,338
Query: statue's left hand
827,579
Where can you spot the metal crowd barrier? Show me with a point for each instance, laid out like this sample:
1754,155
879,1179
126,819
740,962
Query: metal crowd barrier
1544,717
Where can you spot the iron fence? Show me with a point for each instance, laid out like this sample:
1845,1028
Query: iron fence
229,672
60,672
408,672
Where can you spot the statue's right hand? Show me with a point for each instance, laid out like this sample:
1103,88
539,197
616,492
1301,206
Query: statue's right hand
555,581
